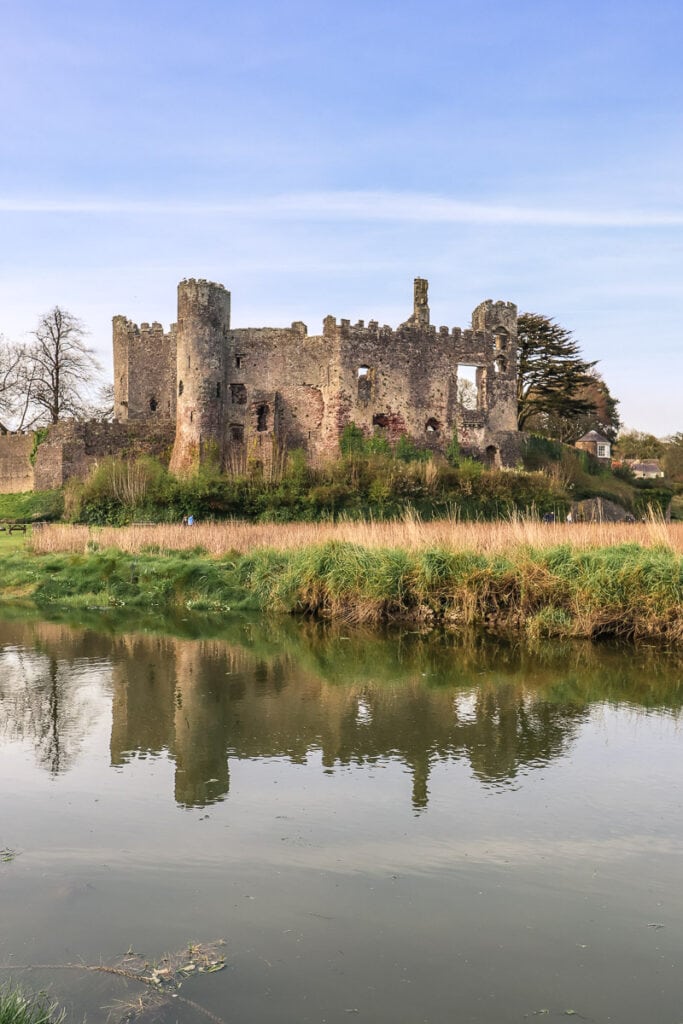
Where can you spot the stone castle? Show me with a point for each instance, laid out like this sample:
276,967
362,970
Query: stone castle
206,391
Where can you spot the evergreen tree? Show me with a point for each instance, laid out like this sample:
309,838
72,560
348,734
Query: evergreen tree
603,416
553,380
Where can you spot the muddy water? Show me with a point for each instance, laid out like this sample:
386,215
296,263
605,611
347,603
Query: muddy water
395,829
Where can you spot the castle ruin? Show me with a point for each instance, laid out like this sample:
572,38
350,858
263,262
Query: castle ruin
240,394
237,398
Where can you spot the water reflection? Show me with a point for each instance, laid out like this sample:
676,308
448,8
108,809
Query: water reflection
285,690
45,693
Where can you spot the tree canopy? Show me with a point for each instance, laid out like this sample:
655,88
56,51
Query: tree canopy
555,385
569,427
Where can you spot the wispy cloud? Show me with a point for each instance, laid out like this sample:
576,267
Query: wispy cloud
359,206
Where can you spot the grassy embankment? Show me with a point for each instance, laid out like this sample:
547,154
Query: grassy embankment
31,506
520,576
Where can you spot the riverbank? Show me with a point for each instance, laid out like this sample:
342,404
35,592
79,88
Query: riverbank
629,591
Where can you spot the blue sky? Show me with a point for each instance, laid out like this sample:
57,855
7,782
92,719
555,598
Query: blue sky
315,157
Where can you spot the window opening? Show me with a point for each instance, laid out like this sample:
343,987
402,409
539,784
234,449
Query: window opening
492,456
500,339
501,364
364,383
238,362
380,419
432,426
153,404
181,388
262,417
467,388
236,432
602,451
218,389
238,394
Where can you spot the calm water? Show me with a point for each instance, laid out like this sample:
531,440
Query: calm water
393,829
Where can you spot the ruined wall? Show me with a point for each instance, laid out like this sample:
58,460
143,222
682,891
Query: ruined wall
16,471
278,387
407,381
72,449
144,370
243,395
286,389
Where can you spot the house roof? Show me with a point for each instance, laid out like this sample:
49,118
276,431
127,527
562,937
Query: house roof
645,465
593,435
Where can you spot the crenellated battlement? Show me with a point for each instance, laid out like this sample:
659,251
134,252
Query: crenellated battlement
144,332
396,335
201,282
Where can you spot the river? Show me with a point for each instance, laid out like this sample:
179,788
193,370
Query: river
392,828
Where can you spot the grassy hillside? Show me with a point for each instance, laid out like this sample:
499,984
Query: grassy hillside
31,506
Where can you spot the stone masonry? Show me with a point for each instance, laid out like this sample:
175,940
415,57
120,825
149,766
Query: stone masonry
241,395
237,397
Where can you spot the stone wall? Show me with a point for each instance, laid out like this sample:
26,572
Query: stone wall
144,371
245,394
73,449
16,471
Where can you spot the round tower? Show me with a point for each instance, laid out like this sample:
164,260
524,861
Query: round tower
203,325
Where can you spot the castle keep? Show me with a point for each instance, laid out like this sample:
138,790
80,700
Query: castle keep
237,397
240,394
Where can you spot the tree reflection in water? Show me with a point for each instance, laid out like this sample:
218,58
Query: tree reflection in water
45,694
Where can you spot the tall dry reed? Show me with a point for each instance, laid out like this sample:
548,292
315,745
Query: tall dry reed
409,533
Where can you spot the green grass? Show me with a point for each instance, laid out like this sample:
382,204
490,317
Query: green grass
16,1007
13,541
31,506
625,591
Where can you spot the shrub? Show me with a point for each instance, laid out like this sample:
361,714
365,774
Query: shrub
407,451
352,440
453,450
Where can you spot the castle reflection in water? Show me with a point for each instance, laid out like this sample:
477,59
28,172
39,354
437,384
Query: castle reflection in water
265,691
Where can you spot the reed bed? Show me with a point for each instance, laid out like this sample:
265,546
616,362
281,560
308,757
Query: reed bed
543,580
408,534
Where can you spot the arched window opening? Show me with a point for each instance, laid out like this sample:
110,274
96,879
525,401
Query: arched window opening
262,418
500,338
432,426
153,404
492,456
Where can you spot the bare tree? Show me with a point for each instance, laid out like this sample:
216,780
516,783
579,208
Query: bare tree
10,371
61,369
101,407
